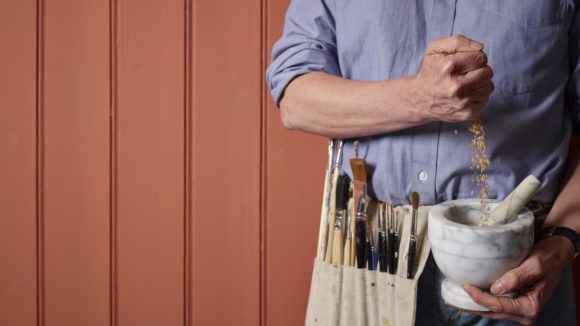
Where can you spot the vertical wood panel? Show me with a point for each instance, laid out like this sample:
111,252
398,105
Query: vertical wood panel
18,163
295,175
76,163
150,140
226,163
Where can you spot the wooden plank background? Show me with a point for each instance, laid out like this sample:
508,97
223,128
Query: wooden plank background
145,176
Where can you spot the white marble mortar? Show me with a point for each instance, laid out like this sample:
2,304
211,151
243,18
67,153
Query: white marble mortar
467,253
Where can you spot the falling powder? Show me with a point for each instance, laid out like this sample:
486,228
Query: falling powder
479,164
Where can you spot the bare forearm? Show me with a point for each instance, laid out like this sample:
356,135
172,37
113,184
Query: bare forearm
339,108
453,84
566,210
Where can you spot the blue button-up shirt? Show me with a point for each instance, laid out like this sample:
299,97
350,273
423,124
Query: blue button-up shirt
532,46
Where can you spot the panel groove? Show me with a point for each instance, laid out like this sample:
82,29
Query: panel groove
113,184
40,146
263,156
187,159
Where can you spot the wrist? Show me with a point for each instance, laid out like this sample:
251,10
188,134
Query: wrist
418,102
560,250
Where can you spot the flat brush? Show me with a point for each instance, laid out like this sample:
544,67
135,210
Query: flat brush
332,203
342,191
323,230
412,241
360,233
359,173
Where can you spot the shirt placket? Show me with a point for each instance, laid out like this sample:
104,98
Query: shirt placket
424,164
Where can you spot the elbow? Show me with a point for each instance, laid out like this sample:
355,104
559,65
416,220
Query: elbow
287,115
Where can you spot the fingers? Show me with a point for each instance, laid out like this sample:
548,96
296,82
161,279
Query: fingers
454,79
523,306
518,278
477,78
501,316
453,44
464,62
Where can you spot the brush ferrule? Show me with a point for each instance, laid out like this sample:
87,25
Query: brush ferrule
338,219
330,155
348,229
338,161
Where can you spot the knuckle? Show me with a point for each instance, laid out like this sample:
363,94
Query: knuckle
512,278
453,90
447,66
464,104
484,58
489,71
456,40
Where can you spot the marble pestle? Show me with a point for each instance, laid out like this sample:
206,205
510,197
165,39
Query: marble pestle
514,202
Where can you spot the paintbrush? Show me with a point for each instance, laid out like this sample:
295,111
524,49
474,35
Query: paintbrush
359,173
348,241
382,238
396,239
371,252
412,241
351,224
332,203
323,230
392,240
342,191
360,232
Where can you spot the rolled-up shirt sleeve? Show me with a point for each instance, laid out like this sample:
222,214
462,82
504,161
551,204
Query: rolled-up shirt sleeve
573,88
308,44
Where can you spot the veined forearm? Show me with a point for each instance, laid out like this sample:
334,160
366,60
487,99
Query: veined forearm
566,209
453,85
331,106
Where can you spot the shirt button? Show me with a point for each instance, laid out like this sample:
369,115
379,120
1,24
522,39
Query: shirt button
423,176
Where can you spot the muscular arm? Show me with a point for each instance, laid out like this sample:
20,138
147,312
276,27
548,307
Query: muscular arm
453,85
340,108
566,211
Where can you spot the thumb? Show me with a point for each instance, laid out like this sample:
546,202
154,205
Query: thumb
517,278
453,44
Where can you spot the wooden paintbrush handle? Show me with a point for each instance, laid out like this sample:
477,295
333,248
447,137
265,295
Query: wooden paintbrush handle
323,230
337,248
331,215
347,245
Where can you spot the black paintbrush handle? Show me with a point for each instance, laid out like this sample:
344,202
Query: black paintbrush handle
411,259
396,253
382,253
361,244
391,252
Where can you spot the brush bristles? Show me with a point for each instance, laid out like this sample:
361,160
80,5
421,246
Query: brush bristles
342,192
359,169
415,200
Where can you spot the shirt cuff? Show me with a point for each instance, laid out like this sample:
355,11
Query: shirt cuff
308,59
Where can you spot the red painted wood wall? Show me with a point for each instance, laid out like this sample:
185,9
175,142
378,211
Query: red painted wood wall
145,178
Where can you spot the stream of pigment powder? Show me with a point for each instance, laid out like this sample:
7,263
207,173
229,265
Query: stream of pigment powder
479,164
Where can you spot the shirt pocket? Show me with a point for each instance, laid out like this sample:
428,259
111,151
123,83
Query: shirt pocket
521,38
531,13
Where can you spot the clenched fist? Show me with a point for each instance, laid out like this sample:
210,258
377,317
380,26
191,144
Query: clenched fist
454,82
